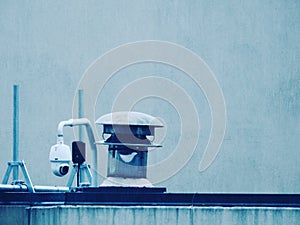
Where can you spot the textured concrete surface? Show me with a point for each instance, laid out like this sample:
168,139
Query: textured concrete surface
74,215
251,46
14,214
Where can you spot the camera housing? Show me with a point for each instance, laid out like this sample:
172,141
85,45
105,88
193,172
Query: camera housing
60,158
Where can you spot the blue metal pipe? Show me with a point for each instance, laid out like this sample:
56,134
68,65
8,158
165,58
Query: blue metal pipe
16,130
80,112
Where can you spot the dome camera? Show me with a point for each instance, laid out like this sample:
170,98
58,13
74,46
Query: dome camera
60,158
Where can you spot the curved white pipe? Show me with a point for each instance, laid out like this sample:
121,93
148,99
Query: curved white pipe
82,122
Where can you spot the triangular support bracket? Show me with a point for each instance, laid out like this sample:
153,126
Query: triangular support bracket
13,166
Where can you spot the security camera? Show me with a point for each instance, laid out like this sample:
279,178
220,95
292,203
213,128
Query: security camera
60,158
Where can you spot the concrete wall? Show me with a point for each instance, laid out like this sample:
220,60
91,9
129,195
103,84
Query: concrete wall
14,214
251,46
74,215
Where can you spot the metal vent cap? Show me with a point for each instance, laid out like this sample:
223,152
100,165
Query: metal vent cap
129,118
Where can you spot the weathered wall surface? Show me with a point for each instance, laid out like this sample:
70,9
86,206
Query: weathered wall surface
74,215
251,46
14,214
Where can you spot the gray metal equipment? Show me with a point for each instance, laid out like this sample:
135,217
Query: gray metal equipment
128,146
80,167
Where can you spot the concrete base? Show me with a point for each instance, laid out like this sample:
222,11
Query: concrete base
14,214
125,182
136,215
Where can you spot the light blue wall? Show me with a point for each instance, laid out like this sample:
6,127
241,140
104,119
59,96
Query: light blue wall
251,46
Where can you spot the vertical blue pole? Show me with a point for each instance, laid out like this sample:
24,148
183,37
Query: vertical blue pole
80,112
80,174
16,131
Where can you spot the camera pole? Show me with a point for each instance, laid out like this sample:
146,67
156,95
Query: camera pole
14,165
16,131
80,112
80,176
